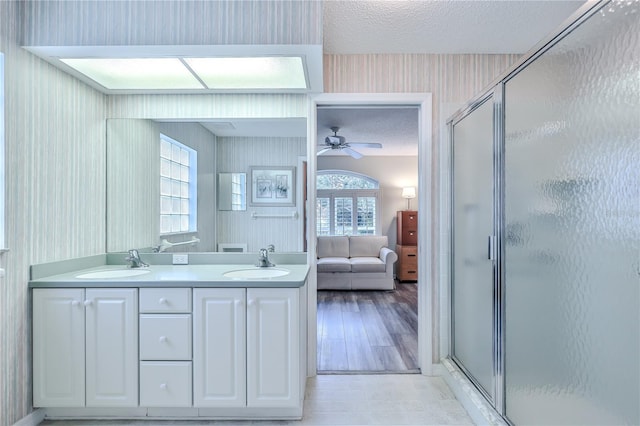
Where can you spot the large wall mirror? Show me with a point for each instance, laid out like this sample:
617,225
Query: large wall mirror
148,182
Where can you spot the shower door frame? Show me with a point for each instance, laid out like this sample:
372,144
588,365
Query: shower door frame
495,96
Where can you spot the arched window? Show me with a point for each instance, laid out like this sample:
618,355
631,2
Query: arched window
347,203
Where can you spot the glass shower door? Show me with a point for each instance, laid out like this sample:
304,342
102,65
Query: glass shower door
472,291
572,179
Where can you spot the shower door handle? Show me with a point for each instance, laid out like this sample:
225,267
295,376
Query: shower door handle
491,247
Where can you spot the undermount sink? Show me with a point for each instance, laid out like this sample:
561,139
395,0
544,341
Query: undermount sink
256,273
113,273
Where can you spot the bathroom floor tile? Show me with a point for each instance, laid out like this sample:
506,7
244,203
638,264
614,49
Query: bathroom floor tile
350,400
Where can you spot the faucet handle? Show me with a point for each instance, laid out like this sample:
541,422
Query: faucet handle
271,248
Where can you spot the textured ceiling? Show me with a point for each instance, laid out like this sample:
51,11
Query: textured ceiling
425,26
440,26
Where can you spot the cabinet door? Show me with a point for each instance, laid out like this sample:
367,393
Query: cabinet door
58,347
273,347
112,347
219,347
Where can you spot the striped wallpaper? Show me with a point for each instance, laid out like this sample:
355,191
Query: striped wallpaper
186,22
55,171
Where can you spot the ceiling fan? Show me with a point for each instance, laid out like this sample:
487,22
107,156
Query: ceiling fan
339,142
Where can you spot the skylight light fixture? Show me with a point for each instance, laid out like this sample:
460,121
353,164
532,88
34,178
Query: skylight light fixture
136,73
262,73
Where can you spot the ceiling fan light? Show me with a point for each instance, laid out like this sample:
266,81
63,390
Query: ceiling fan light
334,140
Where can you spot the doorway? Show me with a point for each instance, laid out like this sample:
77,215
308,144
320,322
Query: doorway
318,301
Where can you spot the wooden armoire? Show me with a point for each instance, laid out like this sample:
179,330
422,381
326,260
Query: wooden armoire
407,246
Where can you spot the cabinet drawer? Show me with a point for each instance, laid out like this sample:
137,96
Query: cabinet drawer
409,274
409,258
165,300
165,384
409,236
165,336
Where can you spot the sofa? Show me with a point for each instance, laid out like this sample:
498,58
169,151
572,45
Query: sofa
362,262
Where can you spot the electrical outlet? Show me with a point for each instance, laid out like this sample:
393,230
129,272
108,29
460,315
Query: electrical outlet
180,259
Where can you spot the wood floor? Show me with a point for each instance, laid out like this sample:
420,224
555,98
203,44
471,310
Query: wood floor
368,331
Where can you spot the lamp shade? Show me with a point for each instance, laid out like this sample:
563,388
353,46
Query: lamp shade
409,192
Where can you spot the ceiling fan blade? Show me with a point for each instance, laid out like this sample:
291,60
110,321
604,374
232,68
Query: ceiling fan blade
322,151
351,152
366,145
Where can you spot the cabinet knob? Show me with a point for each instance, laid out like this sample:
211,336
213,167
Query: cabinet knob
251,302
163,386
163,339
75,303
162,301
88,303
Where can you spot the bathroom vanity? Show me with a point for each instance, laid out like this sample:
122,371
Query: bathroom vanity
187,341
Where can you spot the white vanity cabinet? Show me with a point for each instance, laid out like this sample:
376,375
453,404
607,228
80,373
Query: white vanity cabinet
247,347
85,347
169,349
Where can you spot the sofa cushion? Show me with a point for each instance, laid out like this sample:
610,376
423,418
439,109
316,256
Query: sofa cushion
334,246
334,264
367,245
367,264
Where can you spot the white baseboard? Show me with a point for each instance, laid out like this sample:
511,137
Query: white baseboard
32,419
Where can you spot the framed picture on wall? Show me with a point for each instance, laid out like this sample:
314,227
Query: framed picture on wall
273,186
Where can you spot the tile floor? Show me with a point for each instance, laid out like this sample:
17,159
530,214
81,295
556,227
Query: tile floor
385,399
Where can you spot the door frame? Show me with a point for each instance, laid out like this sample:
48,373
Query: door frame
427,323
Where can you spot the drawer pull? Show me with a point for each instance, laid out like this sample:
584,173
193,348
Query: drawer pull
411,233
162,301
411,272
163,339
163,386
88,303
411,255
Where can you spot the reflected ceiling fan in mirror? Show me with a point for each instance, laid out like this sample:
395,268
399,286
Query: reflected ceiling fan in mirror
340,143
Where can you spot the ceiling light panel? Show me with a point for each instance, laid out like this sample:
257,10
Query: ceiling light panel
136,73
262,73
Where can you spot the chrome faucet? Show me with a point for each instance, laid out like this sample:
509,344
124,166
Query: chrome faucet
271,248
134,259
263,259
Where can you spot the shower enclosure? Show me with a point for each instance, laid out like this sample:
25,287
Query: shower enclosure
545,287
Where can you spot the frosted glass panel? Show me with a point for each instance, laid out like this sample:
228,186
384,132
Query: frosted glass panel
572,228
472,290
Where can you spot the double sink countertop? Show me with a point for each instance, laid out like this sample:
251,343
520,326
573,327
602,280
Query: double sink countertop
94,273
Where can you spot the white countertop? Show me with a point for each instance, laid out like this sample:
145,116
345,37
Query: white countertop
176,276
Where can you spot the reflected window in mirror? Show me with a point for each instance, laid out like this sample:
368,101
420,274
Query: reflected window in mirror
238,191
178,187
232,191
